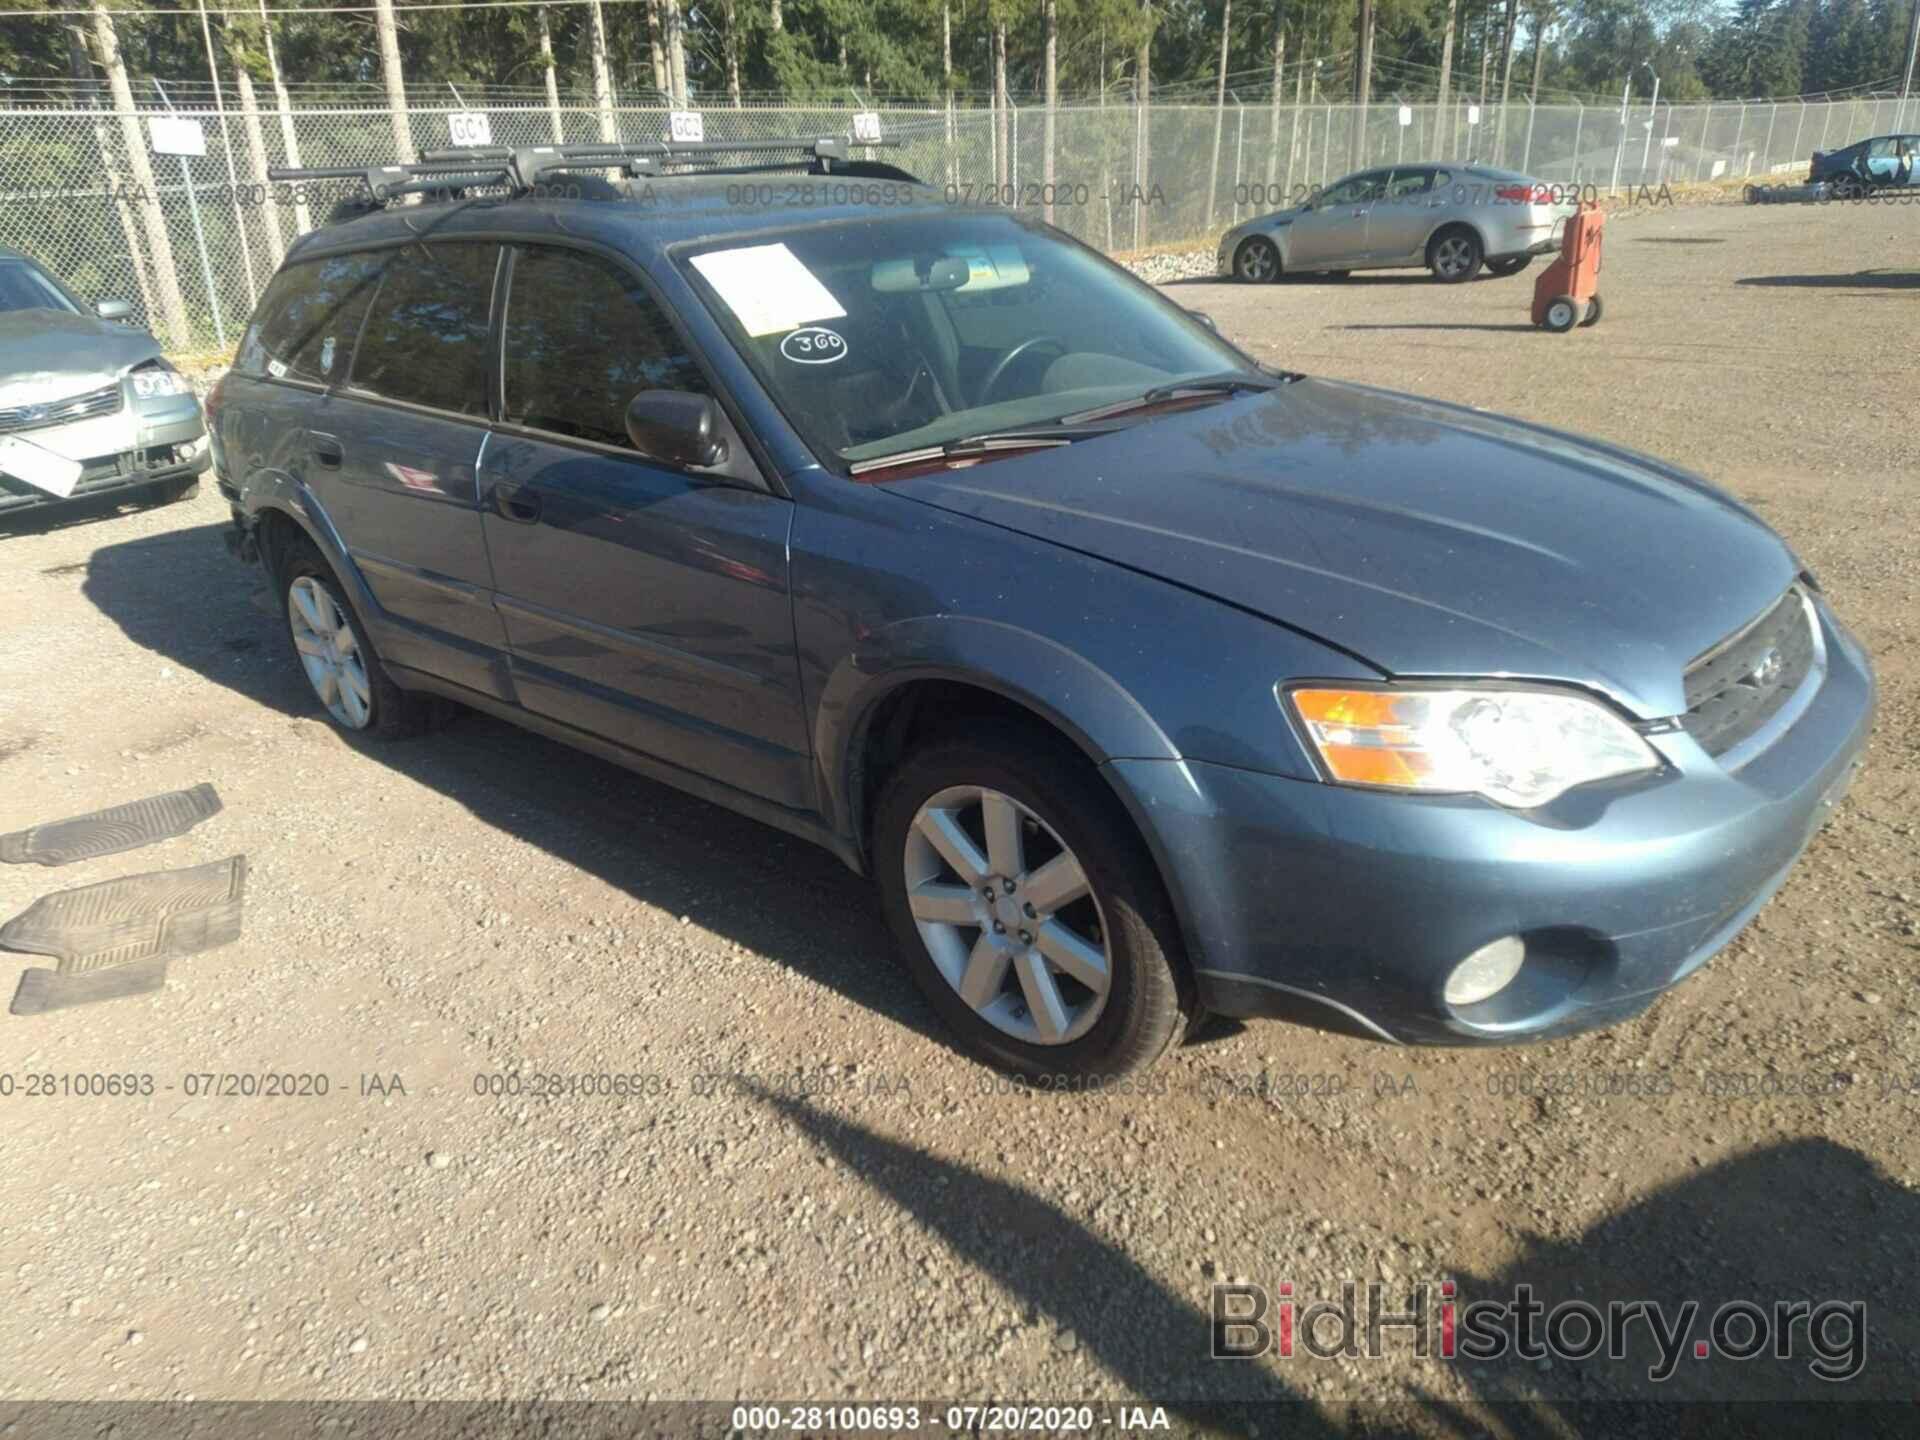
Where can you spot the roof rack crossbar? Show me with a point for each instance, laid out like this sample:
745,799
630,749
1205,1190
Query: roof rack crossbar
521,168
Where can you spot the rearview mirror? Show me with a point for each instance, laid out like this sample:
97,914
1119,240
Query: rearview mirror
113,309
676,426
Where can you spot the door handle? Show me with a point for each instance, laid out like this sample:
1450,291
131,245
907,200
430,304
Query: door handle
516,503
326,449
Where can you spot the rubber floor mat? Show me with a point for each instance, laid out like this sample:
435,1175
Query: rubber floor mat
108,832
167,912
44,990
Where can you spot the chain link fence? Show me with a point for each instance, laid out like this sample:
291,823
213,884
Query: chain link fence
191,242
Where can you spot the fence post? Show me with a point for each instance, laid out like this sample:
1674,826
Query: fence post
226,149
1706,131
1766,146
257,153
1239,155
302,218
166,275
1799,125
553,84
1526,150
1579,124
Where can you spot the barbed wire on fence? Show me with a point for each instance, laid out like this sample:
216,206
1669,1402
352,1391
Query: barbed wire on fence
1125,178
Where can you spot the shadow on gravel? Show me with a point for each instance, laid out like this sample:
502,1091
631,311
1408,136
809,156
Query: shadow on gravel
1437,325
1806,1221
1156,1342
182,597
1858,280
43,519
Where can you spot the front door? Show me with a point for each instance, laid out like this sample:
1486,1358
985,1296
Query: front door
1333,234
1398,223
645,604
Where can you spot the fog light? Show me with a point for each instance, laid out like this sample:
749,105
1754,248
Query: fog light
1486,972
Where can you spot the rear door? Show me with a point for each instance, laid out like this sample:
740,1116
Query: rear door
393,459
1399,222
646,604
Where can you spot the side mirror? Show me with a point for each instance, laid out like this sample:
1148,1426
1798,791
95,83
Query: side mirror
1204,318
113,309
676,426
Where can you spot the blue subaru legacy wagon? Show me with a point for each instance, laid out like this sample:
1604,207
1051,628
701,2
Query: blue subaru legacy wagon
1146,682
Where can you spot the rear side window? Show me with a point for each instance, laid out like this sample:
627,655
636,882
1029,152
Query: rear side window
425,339
305,326
583,337
23,287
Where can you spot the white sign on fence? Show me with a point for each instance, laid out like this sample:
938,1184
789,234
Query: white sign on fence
866,127
174,136
470,127
686,127
1473,114
1670,141
1406,114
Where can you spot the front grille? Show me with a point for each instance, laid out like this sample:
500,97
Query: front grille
90,406
1741,683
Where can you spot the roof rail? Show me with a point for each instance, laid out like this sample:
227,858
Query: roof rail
520,169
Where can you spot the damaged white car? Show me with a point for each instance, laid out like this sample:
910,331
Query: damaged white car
88,404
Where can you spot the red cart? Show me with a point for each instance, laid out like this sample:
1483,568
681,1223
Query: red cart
1567,292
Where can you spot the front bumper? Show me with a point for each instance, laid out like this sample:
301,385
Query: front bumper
145,442
1347,908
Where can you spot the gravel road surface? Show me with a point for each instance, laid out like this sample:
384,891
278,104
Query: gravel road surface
803,1192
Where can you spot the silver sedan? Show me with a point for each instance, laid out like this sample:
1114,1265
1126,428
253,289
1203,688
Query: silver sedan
1451,219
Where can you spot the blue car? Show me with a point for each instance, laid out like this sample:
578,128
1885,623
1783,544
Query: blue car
1144,680
1881,163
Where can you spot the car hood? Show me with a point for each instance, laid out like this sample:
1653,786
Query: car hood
51,354
1426,539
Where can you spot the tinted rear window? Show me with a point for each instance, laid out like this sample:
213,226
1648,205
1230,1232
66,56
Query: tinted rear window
425,339
305,326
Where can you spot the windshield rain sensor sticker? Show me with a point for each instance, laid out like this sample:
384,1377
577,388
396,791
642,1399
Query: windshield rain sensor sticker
767,288
813,346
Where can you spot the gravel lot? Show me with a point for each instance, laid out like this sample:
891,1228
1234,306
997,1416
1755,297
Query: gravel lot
853,1210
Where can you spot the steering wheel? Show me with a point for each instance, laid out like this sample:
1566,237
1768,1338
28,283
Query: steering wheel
1005,362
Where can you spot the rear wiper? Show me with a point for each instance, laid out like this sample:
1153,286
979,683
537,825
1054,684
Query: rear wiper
1228,383
1035,437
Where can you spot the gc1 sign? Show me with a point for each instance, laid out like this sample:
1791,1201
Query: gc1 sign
470,127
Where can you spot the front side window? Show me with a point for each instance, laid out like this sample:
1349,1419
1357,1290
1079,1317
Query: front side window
24,287
885,336
583,337
307,321
425,339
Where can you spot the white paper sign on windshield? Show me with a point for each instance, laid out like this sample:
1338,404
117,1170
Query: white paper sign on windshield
767,288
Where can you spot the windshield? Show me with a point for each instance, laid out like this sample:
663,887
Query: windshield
23,287
881,337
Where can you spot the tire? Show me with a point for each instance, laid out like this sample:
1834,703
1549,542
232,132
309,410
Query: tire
375,706
1563,311
1455,256
1593,312
1257,261
1060,809
167,492
1512,265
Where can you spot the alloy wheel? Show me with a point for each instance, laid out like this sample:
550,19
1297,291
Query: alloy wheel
1008,915
1258,262
1452,256
330,653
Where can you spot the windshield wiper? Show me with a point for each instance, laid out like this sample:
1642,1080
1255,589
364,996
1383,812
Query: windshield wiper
1033,437
1229,382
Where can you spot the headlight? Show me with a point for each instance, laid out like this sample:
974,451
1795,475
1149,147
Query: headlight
152,381
1516,747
